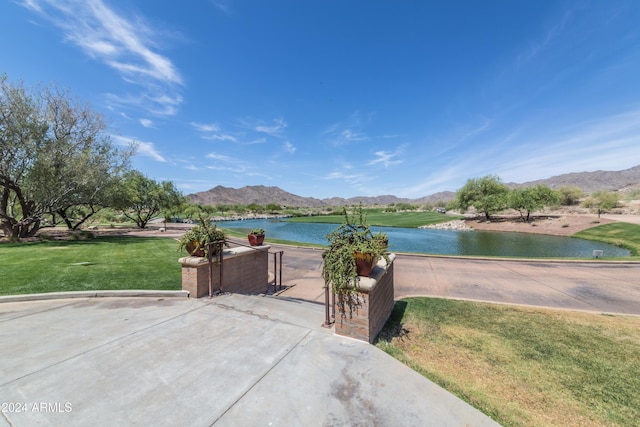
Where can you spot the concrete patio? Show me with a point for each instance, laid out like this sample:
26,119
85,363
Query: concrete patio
228,360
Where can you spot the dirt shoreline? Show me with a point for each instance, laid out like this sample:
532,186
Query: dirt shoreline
553,224
556,225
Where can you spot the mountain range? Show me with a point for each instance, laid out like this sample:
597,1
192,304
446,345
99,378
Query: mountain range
262,195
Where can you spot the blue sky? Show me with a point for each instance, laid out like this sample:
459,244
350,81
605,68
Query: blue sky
344,98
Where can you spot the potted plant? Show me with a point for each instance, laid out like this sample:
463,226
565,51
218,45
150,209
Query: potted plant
197,239
350,245
256,237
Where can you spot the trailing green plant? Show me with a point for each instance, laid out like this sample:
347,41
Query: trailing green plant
339,259
257,231
201,235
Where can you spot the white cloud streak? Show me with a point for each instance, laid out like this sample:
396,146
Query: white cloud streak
227,163
386,159
274,130
120,42
146,123
143,148
289,147
213,132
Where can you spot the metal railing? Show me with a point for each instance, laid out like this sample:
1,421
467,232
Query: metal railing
329,307
277,270
215,250
218,254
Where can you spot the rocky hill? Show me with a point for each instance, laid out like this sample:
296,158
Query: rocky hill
592,181
258,194
262,195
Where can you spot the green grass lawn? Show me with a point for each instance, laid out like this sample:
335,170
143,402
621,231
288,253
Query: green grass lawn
620,234
523,366
389,219
103,263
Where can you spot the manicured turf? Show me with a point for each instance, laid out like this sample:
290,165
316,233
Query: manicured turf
385,219
620,234
523,366
103,263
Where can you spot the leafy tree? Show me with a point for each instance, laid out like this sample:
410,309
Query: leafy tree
406,207
570,195
254,207
239,209
141,198
531,199
273,207
223,208
602,201
487,195
54,154
96,189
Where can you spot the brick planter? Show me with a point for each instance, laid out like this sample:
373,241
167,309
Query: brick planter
376,294
245,271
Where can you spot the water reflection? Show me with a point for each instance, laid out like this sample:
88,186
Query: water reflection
444,242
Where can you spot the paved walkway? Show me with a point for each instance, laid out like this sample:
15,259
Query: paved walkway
592,286
232,360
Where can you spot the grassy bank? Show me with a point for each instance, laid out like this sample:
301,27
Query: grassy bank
523,366
103,263
620,234
385,219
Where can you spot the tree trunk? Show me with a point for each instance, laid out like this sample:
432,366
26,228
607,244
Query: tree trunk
30,229
20,230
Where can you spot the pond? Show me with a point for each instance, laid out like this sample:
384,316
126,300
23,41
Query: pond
443,242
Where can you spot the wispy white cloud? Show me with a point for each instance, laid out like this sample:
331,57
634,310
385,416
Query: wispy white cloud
340,137
146,123
273,130
227,163
288,147
162,106
220,137
127,44
149,150
223,6
387,159
347,132
213,132
190,185
350,177
143,148
206,127
165,104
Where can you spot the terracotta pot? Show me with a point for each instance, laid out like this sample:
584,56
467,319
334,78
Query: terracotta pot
256,239
193,249
365,263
